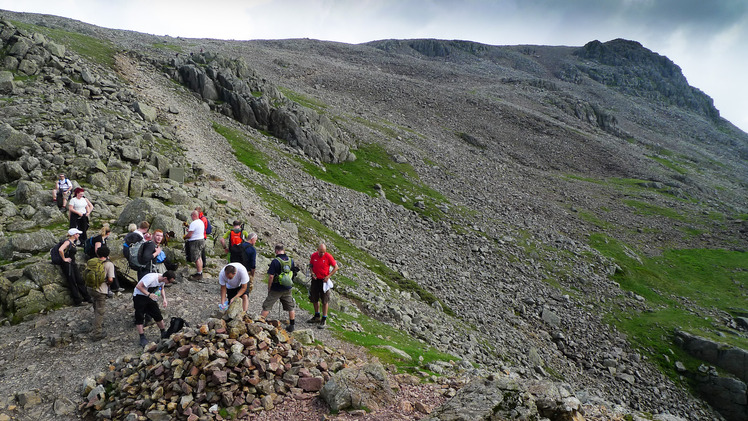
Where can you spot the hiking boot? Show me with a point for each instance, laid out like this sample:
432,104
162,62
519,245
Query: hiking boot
322,324
290,328
314,319
143,341
196,276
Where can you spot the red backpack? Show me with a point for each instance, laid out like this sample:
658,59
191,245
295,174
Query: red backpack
235,237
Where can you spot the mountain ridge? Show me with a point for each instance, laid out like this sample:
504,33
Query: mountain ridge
523,196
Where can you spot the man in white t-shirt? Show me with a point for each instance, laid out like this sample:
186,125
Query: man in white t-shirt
234,281
145,300
195,243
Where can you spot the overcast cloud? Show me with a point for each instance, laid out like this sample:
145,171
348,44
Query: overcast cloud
708,39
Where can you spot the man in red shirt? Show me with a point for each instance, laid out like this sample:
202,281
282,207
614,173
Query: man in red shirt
321,262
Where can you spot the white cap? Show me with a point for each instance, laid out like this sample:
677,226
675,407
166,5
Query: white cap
73,231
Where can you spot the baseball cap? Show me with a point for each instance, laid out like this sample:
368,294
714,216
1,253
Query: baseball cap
73,231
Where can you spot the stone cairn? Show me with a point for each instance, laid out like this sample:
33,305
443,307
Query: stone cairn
228,367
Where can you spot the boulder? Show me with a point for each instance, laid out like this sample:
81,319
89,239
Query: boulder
32,303
13,144
358,388
44,273
7,208
34,242
143,209
57,50
11,171
119,181
481,399
146,111
7,85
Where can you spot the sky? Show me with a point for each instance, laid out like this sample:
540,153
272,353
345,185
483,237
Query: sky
708,39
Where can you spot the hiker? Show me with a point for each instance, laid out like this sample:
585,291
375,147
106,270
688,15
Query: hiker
208,230
61,192
250,255
278,270
99,275
145,301
320,263
92,246
235,282
152,254
67,251
195,244
236,236
137,232
79,208
93,243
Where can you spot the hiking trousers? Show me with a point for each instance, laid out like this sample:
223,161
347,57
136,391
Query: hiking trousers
77,287
99,303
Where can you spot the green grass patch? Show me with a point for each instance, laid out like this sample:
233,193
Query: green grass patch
311,231
167,46
377,334
245,151
302,100
649,209
669,164
677,286
380,127
374,166
594,220
96,50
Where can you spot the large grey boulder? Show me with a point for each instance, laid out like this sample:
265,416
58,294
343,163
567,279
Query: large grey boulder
13,143
27,192
357,388
57,50
34,242
146,111
484,399
143,209
119,181
44,273
7,208
11,171
31,303
732,359
7,85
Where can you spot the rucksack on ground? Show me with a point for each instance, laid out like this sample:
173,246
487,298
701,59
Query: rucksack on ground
285,277
94,274
175,325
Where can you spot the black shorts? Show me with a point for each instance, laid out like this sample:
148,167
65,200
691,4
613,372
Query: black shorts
316,292
231,292
144,305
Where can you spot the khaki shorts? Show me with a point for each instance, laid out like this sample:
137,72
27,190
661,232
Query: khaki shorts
285,298
195,250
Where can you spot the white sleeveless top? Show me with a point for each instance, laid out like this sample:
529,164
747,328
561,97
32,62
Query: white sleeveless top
79,205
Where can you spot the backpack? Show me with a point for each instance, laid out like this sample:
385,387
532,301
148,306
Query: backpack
235,237
54,253
285,277
129,240
208,228
175,325
133,257
88,248
94,274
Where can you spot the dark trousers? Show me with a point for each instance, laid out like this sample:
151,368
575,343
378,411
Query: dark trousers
77,287
80,222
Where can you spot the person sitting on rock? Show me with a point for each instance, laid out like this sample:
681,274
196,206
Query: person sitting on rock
145,301
234,282
61,192
67,251
276,291
79,208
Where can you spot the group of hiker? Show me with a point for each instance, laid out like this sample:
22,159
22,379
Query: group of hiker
145,253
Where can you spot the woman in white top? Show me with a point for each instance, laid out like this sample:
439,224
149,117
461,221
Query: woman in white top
79,207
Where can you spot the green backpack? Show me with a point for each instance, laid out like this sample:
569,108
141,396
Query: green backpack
285,277
94,274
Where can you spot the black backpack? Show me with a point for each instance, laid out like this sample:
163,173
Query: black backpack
176,324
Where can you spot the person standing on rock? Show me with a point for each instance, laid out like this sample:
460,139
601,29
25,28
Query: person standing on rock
61,192
195,245
208,230
235,282
276,291
321,262
236,237
67,251
99,294
79,208
145,301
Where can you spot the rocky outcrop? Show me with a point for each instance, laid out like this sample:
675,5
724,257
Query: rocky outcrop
232,88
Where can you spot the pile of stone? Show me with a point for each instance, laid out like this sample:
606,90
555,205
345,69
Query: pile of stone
231,365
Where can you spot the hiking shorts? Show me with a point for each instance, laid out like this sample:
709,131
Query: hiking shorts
285,298
144,305
316,292
195,250
231,292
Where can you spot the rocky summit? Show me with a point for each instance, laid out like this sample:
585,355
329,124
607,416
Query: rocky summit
524,232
